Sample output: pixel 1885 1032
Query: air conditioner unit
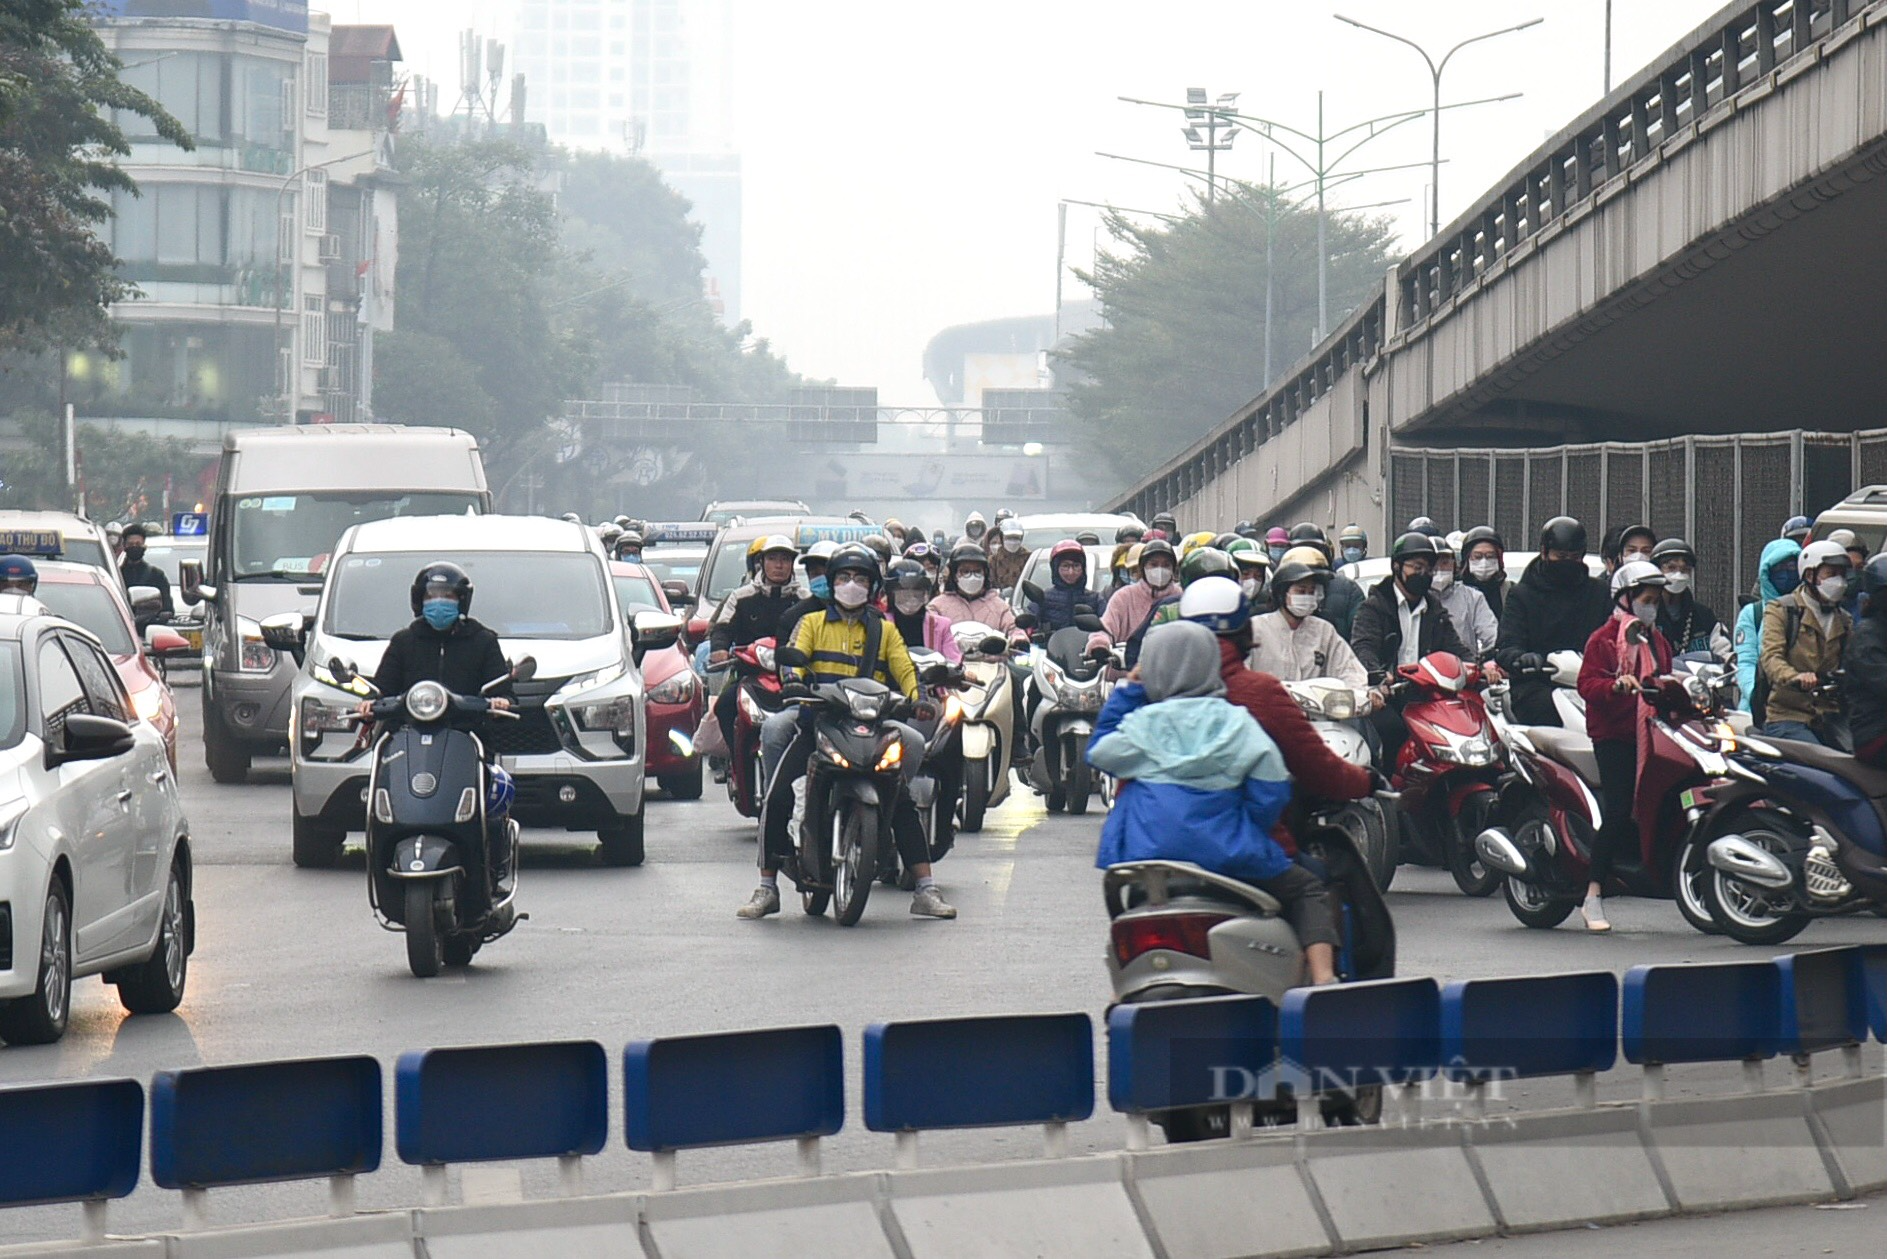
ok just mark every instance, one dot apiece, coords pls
pixel 330 248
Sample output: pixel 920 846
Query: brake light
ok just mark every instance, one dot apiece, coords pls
pixel 1175 933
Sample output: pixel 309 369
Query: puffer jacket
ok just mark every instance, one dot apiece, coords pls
pixel 1129 614
pixel 1749 622
pixel 1540 618
pixel 988 608
pixel 1343 598
pixel 1200 782
pixel 1057 608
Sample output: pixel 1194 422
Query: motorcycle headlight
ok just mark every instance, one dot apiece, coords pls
pixel 1078 698
pixel 1339 705
pixel 427 701
pixel 952 711
pixel 252 654
pixel 830 751
pixel 763 656
pixel 679 689
pixel 865 707
pixel 1474 753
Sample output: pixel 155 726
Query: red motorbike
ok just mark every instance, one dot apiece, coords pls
pixel 1550 808
pixel 756 697
pixel 1448 772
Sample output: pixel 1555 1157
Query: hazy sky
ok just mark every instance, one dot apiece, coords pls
pixel 903 159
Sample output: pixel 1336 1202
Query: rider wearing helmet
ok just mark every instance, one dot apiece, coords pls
pixel 1131 612
pixel 1474 621
pixel 850 639
pixel 879 545
pixel 1803 639
pixel 752 612
pixel 1129 534
pixel 909 589
pixel 1206 561
pixel 970 595
pixel 1798 529
pixel 927 556
pixel 1254 572
pixel 18 575
pixel 1008 557
pixel 1555 606
pixel 1193 541
pixel 629 546
pixel 1400 622
pixel 1685 622
pixel 1625 544
pixel 1166 523
pixel 1067 589
pixel 974 528
pixel 1482 558
pixel 819 589
pixel 1353 543
pixel 1866 664
pixel 1277 542
pixel 607 533
pixel 1622 657
pixel 1293 643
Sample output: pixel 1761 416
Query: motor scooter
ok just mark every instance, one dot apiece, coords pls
pixel 1549 811
pixel 1331 705
pixel 442 850
pixel 1449 770
pixel 988 726
pixel 757 696
pixel 1177 930
pixel 936 786
pixel 1072 685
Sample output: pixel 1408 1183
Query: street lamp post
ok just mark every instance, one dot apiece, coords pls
pixel 1218 134
pixel 1435 69
pixel 293 243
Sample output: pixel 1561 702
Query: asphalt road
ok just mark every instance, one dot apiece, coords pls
pixel 290 963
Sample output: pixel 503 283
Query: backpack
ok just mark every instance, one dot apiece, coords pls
pixel 1759 693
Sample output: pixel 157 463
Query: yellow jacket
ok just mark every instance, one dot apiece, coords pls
pixel 835 643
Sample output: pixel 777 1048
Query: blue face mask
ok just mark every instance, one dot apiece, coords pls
pixel 1785 580
pixel 441 614
pixel 1277 553
pixel 820 587
pixel 1352 555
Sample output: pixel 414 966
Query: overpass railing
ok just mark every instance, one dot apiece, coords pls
pixel 211 1128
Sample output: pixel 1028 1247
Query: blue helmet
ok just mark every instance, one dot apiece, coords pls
pixel 1798 529
pixel 18 575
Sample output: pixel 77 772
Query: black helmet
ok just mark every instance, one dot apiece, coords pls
pixel 1224 540
pixel 1305 531
pixel 967 553
pixel 1289 575
pixel 1563 533
pixel 1673 548
pixel 1413 545
pixel 1204 561
pixel 19 575
pixel 1479 534
pixel 1128 534
pixel 1087 537
pixel 878 544
pixel 907 574
pixel 1159 546
pixel 1422 524
pixel 1613 544
pixel 440 579
pixel 1165 521
pixel 1873 578
pixel 629 540
pixel 859 558
pixel 1243 528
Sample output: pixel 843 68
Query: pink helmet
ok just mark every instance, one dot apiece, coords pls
pixel 1277 535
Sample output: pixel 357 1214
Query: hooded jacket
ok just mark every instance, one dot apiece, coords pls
pixel 1005 566
pixel 1057 608
pixel 754 611
pixel 988 608
pixel 1813 651
pixel 1749 622
pixel 1377 638
pixel 1129 613
pixel 1539 618
pixel 1866 689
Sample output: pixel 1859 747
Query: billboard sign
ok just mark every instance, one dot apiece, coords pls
pixel 283 15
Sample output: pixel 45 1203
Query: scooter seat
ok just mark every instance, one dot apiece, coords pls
pixel 1569 748
pixel 1869 781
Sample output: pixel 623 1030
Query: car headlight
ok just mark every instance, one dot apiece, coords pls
pixel 320 718
pixel 427 701
pixel 600 677
pixel 679 689
pixel 609 716
pixel 252 655
pixel 147 703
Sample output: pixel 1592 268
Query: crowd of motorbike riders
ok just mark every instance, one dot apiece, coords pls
pixel 1202 630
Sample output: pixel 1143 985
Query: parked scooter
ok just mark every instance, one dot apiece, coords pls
pixel 1178 931
pixel 1803 837
pixel 1549 807
pixel 757 697
pixel 1448 773
pixel 1072 685
pixel 430 839
pixel 1372 824
pixel 988 728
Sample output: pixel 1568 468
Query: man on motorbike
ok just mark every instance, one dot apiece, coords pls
pixel 1619 663
pixel 1686 623
pixel 138 571
pixel 1866 688
pixel 1400 622
pixel 1130 613
pixel 819 589
pixel 1777 575
pixel 18 575
pixel 850 639
pixel 1353 544
pixel 1200 781
pixel 970 595
pixel 1293 643
pixel 1555 606
pixel 1474 621
pixel 1803 639
pixel 1485 558
pixel 754 611
pixel 1008 557
pixel 918 622
pixel 629 546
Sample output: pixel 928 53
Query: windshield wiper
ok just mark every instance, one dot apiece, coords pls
pixel 354 638
pixel 275 574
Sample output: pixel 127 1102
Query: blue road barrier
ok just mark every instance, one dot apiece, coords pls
pixel 70 1142
pixel 1721 1012
pixel 502 1102
pixel 1824 1000
pixel 979 1072
pixel 1385 1031
pixel 1169 1055
pixel 1531 1025
pixel 1874 981
pixel 735 1088
pixel 265 1121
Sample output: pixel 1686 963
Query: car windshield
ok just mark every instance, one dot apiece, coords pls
pixel 519 594
pixel 12 695
pixel 90 605
pixel 169 555
pixel 289 536
pixel 680 565
pixel 636 594
pixel 1049 535
pixel 730 568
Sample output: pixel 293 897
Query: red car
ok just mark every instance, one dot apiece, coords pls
pixel 88 598
pixel 677 699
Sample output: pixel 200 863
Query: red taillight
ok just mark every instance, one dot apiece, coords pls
pixel 1176 933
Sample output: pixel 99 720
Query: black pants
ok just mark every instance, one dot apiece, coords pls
pixel 1306 904
pixel 1391 733
pixel 1618 791
pixel 725 706
pixel 776 813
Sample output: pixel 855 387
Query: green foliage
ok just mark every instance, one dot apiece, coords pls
pixel 1183 345
pixel 123 472
pixel 58 145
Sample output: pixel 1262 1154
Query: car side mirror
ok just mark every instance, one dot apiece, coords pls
pixel 1033 591
pixel 89 738
pixel 147 602
pixel 165 642
pixel 288 632
pixel 679 594
pixel 653 631
pixel 1089 622
pixel 190 582
pixel 790 657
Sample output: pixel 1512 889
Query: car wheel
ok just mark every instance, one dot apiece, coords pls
pixel 41 1018
pixel 156 986
pixel 683 786
pixel 621 844
pixel 317 847
pixel 228 760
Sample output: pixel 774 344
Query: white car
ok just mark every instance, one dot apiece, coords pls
pixel 94 849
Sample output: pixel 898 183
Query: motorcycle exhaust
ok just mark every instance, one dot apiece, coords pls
pixel 1496 848
pixel 1751 863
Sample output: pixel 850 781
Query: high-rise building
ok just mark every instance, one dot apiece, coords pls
pixel 650 77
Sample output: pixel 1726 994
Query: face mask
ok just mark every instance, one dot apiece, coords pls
pixel 1012 545
pixel 1646 610
pixel 1277 553
pixel 440 613
pixel 970 585
pixel 1352 555
pixel 1444 579
pixel 851 594
pixel 820 587
pixel 1483 568
pixel 1301 606
pixel 1158 576
pixel 1635 557
pixel 1677 583
pixel 1565 573
pixel 910 601
pixel 974 532
pixel 1833 589
pixel 1251 586
pixel 1417 586
pixel 134 553
pixel 1785 580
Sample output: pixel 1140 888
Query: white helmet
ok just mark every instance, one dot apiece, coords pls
pixel 1218 603
pixel 1816 554
pixel 1637 573
pixel 821 550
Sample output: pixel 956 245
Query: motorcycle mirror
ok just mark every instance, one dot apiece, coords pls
pixel 524 670
pixel 1033 591
pixel 1636 632
pixel 1088 621
pixel 994 645
pixel 790 657
pixel 341 670
pixel 934 674
pixel 1025 620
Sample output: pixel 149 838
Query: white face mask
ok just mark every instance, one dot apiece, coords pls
pixel 1645 610
pixel 1677 583
pixel 1158 576
pixel 1833 589
pixel 1301 606
pixel 851 593
pixel 1484 567
pixel 1012 545
pixel 970 585
pixel 910 601
pixel 1444 578
pixel 1251 586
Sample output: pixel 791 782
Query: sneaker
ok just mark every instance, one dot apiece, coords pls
pixel 766 900
pixel 929 903
pixel 1593 911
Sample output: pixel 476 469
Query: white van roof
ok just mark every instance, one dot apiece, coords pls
pixel 445 534
pixel 316 457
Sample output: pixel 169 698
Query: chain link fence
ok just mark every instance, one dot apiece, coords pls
pixel 1726 495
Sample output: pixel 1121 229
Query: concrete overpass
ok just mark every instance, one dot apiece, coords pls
pixel 1701 252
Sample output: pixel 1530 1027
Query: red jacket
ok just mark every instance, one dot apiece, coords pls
pixel 1613 714
pixel 1315 769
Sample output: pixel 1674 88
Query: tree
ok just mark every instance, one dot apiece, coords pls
pixel 1184 302
pixel 58 86
pixel 124 472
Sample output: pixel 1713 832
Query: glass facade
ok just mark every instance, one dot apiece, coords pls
pixel 190 371
pixel 199 235
pixel 240 109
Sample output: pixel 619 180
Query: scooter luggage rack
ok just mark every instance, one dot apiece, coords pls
pixel 1153 876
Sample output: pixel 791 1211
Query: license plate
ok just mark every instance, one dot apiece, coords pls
pixel 194 637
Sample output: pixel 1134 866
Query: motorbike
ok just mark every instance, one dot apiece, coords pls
pixel 1177 930
pixel 1448 772
pixel 1072 685
pixel 936 785
pixel 756 698
pixel 429 835
pixel 1549 813
pixel 988 726
pixel 1804 837
pixel 1373 824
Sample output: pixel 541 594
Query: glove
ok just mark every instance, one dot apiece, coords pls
pixel 1530 661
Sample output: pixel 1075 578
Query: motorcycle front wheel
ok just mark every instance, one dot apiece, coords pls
pixel 425 946
pixel 1471 874
pixel 855 860
pixel 1080 784
pixel 975 795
